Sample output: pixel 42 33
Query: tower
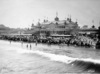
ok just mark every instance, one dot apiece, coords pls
pixel 76 21
pixel 32 26
pixel 93 24
pixel 56 19
pixel 39 23
pixel 70 19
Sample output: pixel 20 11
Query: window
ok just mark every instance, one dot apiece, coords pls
pixel 61 26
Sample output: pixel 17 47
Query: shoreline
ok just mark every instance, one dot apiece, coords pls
pixel 66 50
pixel 38 50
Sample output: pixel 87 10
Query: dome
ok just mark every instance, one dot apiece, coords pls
pixel 56 19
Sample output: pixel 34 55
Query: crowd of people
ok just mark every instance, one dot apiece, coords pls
pixel 82 41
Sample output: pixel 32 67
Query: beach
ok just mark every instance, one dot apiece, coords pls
pixel 17 58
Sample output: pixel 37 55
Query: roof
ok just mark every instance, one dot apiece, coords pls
pixel 31 31
pixel 60 22
pixel 89 29
pixel 20 34
pixel 60 35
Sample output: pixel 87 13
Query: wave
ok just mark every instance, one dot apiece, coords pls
pixel 90 65
pixel 86 64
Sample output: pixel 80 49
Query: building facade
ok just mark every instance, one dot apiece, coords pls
pixel 61 27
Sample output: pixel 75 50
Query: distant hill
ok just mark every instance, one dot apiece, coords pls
pixel 7 30
pixel 3 27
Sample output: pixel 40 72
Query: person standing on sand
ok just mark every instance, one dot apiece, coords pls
pixel 10 41
pixel 27 45
pixel 36 42
pixel 30 46
pixel 22 43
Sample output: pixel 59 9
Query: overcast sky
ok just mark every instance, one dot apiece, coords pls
pixel 21 13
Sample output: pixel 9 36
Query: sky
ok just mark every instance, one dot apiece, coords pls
pixel 22 13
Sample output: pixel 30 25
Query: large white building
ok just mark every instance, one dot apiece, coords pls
pixel 61 27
